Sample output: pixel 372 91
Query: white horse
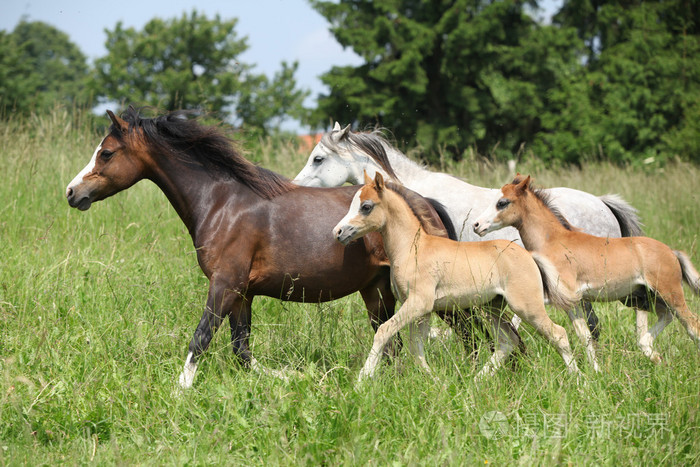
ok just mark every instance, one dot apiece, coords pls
pixel 343 156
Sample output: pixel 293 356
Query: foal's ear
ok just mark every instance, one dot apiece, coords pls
pixel 522 184
pixel 368 179
pixel 118 123
pixel 378 182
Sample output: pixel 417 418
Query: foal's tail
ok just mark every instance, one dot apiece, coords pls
pixel 626 215
pixel 557 292
pixel 690 274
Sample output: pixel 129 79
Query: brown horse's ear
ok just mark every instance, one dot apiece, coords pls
pixel 368 179
pixel 118 123
pixel 379 182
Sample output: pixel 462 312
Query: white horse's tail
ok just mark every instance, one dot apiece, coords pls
pixel 554 289
pixel 626 215
pixel 690 274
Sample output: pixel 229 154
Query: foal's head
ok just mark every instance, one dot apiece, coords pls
pixel 116 164
pixel 366 213
pixel 508 210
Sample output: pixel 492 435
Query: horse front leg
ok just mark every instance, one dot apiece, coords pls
pixel 218 305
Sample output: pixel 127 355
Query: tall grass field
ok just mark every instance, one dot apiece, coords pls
pixel 97 309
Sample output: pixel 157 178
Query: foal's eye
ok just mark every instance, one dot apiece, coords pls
pixel 106 154
pixel 366 207
pixel 318 159
pixel 502 203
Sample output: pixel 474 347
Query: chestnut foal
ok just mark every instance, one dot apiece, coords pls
pixel 640 271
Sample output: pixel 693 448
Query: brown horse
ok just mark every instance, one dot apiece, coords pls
pixel 432 273
pixel 255 232
pixel 640 271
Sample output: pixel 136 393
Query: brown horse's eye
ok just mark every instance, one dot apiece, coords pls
pixel 106 154
pixel 366 207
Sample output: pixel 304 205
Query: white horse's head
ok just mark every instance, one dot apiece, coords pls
pixel 335 161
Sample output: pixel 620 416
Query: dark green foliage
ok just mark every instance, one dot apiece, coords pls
pixel 616 80
pixel 40 66
pixel 640 86
pixel 192 62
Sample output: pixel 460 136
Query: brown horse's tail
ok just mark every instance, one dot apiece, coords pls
pixel 554 289
pixel 690 274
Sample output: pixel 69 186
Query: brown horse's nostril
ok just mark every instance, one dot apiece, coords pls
pixel 69 192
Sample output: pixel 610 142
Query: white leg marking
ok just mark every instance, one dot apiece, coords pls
pixel 187 375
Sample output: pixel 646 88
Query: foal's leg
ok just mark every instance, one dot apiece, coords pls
pixel 576 316
pixel 646 336
pixel 409 311
pixel 532 311
pixel 675 299
pixel 380 303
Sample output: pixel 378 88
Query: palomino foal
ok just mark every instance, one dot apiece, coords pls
pixel 643 271
pixel 430 273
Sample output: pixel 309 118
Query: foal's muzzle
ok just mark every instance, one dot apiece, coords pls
pixel 344 234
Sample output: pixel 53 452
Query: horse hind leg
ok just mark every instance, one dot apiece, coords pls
pixel 581 327
pixel 418 332
pixel 676 302
pixel 532 311
pixel 646 336
pixel 506 340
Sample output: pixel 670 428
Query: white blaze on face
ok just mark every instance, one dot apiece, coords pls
pixel 486 221
pixel 352 212
pixel 88 168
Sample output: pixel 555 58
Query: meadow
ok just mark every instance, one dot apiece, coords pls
pixel 97 309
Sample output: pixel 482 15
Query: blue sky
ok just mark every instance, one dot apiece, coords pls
pixel 277 30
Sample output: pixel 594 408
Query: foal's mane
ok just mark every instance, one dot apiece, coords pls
pixel 421 208
pixel 372 143
pixel 546 201
pixel 178 135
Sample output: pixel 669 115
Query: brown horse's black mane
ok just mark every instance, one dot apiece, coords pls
pixel 371 143
pixel 546 200
pixel 179 135
pixel 421 208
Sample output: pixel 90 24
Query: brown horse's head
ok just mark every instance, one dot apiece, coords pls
pixel 115 165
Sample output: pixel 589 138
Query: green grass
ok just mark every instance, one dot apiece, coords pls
pixel 97 309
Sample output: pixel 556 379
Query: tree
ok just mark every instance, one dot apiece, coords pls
pixel 39 66
pixel 445 74
pixel 192 62
pixel 641 81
